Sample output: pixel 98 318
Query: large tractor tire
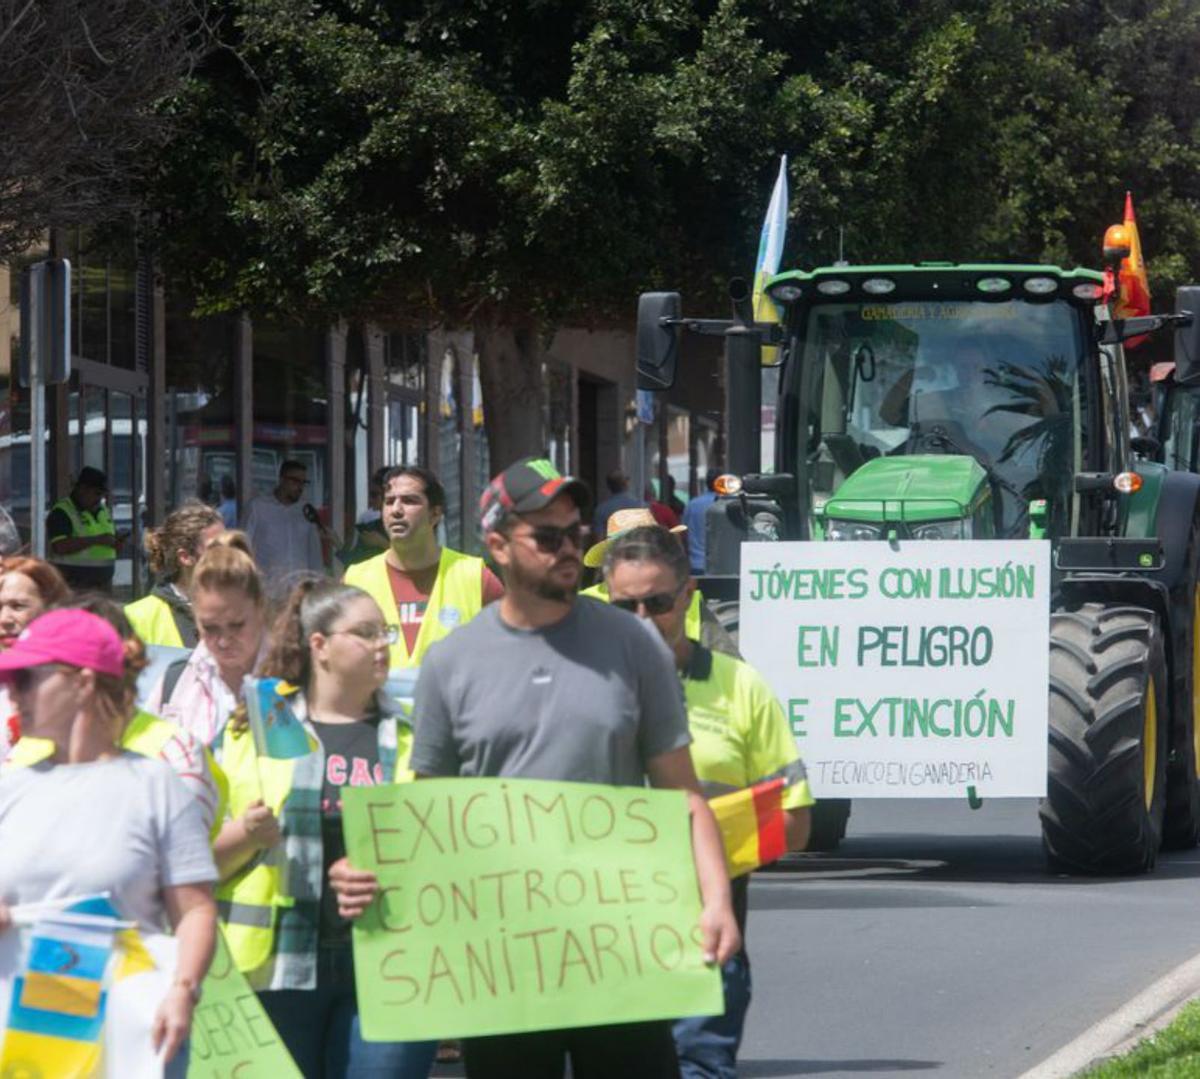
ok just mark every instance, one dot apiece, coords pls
pixel 829 817
pixel 1106 794
pixel 1181 827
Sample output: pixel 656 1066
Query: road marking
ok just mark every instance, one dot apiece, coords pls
pixel 1148 1012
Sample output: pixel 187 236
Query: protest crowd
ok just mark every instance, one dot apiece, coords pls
pixel 190 766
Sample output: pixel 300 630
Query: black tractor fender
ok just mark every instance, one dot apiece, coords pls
pixel 1177 508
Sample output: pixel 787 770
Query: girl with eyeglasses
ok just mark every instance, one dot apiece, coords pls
pixel 278 881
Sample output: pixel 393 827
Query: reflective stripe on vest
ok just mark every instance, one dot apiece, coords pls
pixel 252 894
pixel 691 625
pixel 248 900
pixel 457 597
pixel 94 524
pixel 152 620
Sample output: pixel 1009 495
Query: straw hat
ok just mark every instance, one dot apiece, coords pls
pixel 620 522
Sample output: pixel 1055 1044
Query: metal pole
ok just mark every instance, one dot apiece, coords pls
pixel 37 438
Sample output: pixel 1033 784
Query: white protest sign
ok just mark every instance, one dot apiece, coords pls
pixel 906 670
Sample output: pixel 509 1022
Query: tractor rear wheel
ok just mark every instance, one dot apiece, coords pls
pixel 1106 791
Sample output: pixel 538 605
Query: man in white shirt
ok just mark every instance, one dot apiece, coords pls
pixel 287 546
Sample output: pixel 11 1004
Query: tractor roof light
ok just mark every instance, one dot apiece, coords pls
pixel 785 293
pixel 727 484
pixel 1117 244
pixel 993 285
pixel 1040 286
pixel 1087 291
pixel 833 288
pixel 878 286
pixel 1127 483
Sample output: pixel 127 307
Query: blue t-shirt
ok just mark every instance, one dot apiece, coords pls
pixel 693 516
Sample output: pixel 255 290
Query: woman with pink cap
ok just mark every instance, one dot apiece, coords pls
pixel 93 818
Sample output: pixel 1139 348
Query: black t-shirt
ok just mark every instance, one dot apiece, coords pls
pixel 351 760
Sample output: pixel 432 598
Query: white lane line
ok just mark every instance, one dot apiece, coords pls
pixel 1148 1012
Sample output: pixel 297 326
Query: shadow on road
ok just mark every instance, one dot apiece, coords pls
pixel 761 1069
pixel 991 859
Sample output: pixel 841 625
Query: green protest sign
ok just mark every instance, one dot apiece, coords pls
pixel 513 905
pixel 232 1038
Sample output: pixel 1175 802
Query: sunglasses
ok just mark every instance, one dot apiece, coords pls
pixel 22 680
pixel 659 603
pixel 550 538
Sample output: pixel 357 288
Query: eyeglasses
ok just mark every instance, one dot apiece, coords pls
pixel 658 603
pixel 550 538
pixel 372 634
pixel 22 680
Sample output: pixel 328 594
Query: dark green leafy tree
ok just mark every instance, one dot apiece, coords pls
pixel 516 167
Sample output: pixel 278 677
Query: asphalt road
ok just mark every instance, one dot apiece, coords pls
pixel 935 943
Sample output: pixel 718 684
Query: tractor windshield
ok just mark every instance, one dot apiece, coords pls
pixel 999 381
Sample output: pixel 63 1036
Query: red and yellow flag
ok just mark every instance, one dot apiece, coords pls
pixel 1131 289
pixel 752 825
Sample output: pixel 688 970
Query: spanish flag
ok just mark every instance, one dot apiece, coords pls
pixel 752 825
pixel 1131 289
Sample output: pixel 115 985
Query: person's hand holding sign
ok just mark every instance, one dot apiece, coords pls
pixel 356 889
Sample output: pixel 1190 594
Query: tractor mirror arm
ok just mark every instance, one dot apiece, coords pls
pixel 1116 330
pixel 772 332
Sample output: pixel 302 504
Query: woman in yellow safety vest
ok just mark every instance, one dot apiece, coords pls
pixel 275 857
pixel 28 587
pixel 147 735
pixel 93 818
pixel 164 617
pixel 229 602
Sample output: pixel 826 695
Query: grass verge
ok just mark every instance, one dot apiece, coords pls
pixel 1172 1053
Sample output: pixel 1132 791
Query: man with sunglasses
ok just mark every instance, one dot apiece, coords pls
pixel 740 737
pixel 286 546
pixel 547 685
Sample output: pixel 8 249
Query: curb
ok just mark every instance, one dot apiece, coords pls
pixel 1148 1012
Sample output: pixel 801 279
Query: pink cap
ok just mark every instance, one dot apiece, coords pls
pixel 76 638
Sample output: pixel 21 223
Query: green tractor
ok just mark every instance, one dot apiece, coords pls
pixel 951 401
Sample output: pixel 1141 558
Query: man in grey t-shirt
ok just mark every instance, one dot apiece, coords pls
pixel 546 685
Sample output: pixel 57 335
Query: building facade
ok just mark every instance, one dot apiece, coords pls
pixel 173 406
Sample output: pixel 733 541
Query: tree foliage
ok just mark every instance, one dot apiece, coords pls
pixel 514 167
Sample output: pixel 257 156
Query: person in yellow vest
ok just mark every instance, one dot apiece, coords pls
pixel 80 537
pixel 147 735
pixel 620 522
pixel 284 930
pixel 423 588
pixel 740 737
pixel 164 617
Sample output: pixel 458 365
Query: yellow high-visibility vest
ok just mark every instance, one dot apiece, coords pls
pixel 457 597
pixel 93 523
pixel 154 622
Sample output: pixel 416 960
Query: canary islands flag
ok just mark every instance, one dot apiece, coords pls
pixel 276 730
pixel 752 825
pixel 770 253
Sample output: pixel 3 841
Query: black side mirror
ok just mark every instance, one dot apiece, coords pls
pixel 657 340
pixel 1187 338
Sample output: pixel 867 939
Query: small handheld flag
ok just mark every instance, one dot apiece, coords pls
pixel 752 826
pixel 276 730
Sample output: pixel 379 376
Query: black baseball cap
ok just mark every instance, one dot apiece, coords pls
pixel 530 484
pixel 92 477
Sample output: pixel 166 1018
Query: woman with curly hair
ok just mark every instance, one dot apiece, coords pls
pixel 164 617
